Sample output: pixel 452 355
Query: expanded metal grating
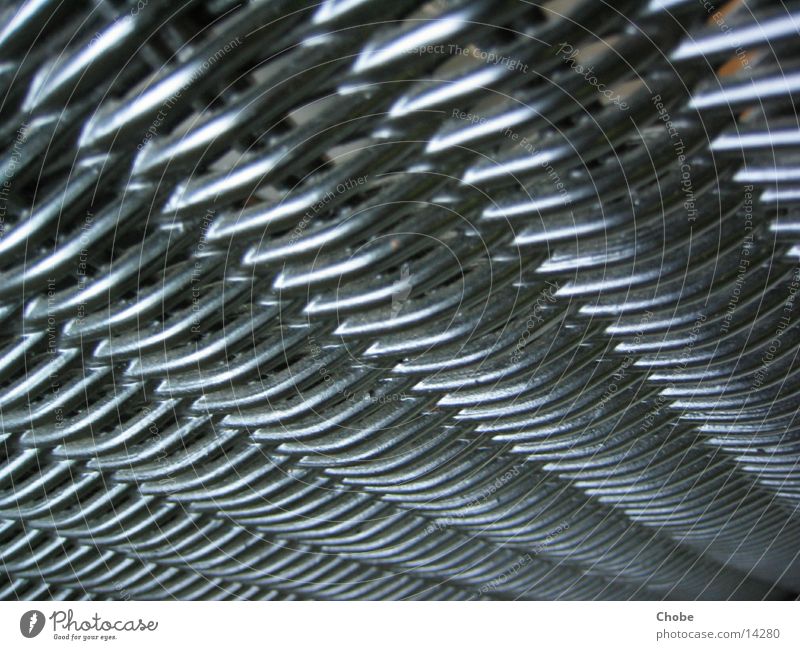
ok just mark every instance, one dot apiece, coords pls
pixel 389 299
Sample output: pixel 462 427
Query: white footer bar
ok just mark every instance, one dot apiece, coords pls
pixel 385 626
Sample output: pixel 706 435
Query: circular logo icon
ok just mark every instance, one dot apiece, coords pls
pixel 31 623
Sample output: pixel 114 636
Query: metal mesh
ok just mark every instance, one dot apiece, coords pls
pixel 370 299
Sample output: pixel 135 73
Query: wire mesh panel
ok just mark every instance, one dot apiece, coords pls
pixel 359 299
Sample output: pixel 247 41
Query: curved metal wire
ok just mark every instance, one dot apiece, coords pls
pixel 358 299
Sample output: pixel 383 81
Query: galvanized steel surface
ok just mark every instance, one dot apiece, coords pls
pixel 362 299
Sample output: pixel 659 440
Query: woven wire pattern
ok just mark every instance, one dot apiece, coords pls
pixel 360 299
